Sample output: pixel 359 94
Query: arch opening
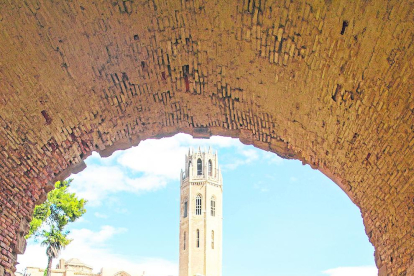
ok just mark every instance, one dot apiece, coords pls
pixel 145 160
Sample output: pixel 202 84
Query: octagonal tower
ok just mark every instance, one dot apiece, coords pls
pixel 201 215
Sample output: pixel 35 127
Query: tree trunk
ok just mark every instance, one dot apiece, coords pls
pixel 49 265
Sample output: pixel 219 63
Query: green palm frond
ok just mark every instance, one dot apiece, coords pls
pixel 55 240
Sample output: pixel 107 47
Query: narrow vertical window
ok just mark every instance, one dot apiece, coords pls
pixel 199 167
pixel 198 238
pixel 184 241
pixel 212 239
pixel 185 208
pixel 213 206
pixel 210 168
pixel 189 166
pixel 198 205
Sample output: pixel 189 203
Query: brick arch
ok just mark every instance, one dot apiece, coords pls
pixel 326 83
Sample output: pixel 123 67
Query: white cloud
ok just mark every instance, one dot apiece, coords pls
pixel 35 255
pixel 86 236
pixel 165 157
pixel 100 215
pixel 157 162
pixel 248 156
pixel 218 141
pixel 81 220
pixel 354 271
pixel 97 182
pixel 90 247
pixel 272 158
pixel 156 157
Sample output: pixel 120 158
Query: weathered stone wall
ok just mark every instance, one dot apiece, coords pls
pixel 326 82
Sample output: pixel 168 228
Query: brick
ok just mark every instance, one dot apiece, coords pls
pixel 291 78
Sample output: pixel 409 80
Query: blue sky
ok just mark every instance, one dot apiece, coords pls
pixel 279 217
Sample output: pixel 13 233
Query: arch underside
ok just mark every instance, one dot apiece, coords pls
pixel 326 83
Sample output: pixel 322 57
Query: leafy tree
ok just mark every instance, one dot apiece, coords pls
pixel 51 217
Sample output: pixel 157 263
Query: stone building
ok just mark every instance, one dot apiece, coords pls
pixel 74 267
pixel 201 215
pixel 70 267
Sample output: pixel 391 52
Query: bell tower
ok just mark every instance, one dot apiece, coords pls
pixel 201 215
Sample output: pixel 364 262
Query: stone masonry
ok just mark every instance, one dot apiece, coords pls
pixel 326 82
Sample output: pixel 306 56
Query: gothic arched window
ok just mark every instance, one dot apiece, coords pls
pixel 185 208
pixel 210 168
pixel 198 238
pixel 212 239
pixel 213 206
pixel 199 167
pixel 198 204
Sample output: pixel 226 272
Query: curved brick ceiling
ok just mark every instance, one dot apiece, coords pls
pixel 326 82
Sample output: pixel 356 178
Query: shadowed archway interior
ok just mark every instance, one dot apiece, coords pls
pixel 328 83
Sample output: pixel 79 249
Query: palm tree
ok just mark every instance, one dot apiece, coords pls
pixel 55 240
pixel 51 217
